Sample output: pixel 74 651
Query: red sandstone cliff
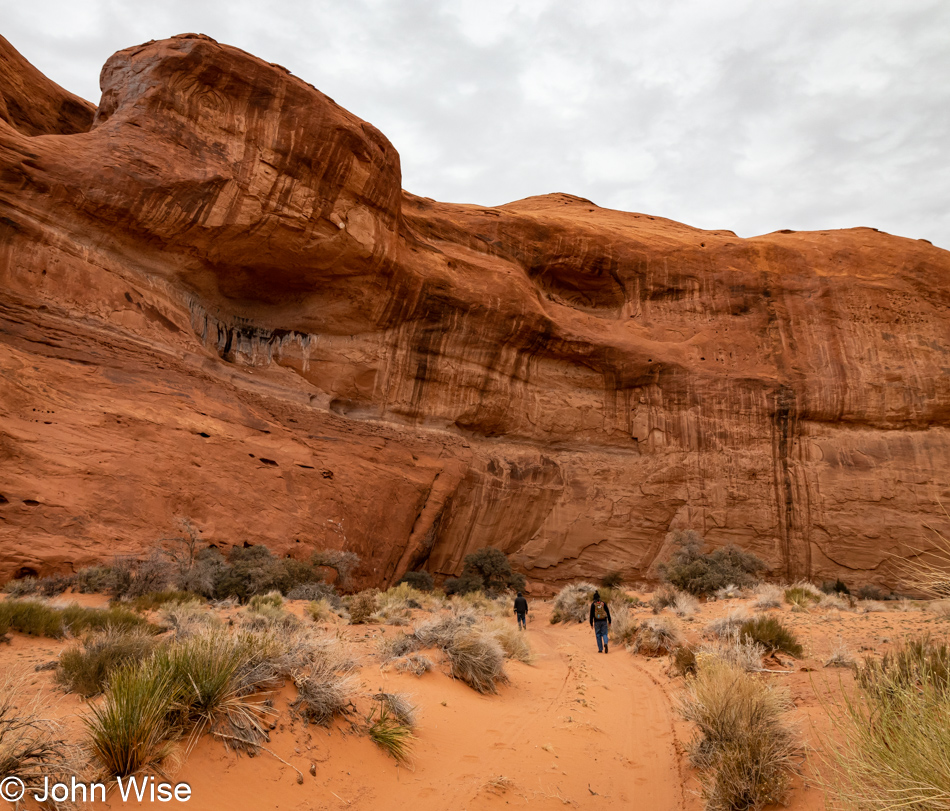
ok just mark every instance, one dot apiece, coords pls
pixel 216 302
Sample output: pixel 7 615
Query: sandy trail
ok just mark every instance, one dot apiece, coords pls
pixel 575 728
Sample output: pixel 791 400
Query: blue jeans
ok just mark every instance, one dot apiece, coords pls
pixel 522 621
pixel 600 629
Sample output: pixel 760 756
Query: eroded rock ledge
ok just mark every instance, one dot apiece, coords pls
pixel 216 302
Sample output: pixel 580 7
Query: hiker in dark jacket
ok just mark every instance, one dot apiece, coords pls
pixel 600 621
pixel 521 610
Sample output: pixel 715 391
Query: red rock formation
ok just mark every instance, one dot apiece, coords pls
pixel 217 303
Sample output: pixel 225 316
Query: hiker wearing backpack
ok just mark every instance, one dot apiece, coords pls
pixel 600 621
pixel 521 611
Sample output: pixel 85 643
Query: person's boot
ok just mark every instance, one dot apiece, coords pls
pixel 605 647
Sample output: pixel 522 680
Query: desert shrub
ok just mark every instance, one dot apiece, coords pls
pixel 612 580
pixel 768 596
pixel 735 651
pixel 395 647
pixel 769 632
pixel 870 592
pixel 484 605
pixel 415 663
pixel 478 660
pixel 421 581
pixel 892 738
pixel 744 749
pixel 129 730
pixel 94 579
pixel 403 597
pixel 572 603
pixel 362 606
pixel 939 607
pixel 871 607
pixel 85 668
pixel 253 570
pixel 45 586
pixel 322 611
pixel 442 631
pixel 137 578
pixel 656 637
pixel 683 661
pixel 835 587
pixel 342 562
pixel 315 591
pixel 485 569
pixel 267 618
pixel 31 746
pixel 34 618
pixel 690 569
pixel 513 642
pixel 389 725
pixel 663 598
pixel 802 595
pixel 729 624
pixel 157 599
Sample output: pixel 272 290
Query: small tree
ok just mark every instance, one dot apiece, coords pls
pixel 486 569
pixel 699 573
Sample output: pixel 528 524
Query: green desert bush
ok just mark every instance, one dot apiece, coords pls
pixel 388 731
pixel 84 668
pixel 744 748
pixel 94 579
pixel 478 660
pixel 892 739
pixel 572 603
pixel 612 580
pixel 656 637
pixel 690 569
pixel 771 634
pixel 129 731
pixel 35 618
pixel 486 569
pixel 870 592
pixel 421 581
pixel 802 595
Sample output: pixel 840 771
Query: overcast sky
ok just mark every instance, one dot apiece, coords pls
pixel 753 115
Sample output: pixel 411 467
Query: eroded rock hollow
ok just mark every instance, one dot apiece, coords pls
pixel 217 303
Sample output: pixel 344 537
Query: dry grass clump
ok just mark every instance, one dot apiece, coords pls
pixel 892 743
pixel 768 596
pixel 85 668
pixel 624 627
pixel 441 631
pixel 656 637
pixel 478 660
pixel 834 602
pixel 31 747
pixel 186 619
pixel 872 607
pixel 395 647
pixel 734 650
pixel 940 607
pixel 729 592
pixel 745 750
pixel 386 728
pixel 322 694
pixel 415 663
pixel 572 603
pixel 156 599
pixel 769 632
pixel 482 604
pixel 683 661
pixel 399 705
pixel 729 624
pixel 512 640
pixel 685 605
pixel 664 598
pixel 267 616
pixel 840 656
pixel 322 610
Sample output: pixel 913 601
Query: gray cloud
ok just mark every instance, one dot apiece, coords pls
pixel 741 114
